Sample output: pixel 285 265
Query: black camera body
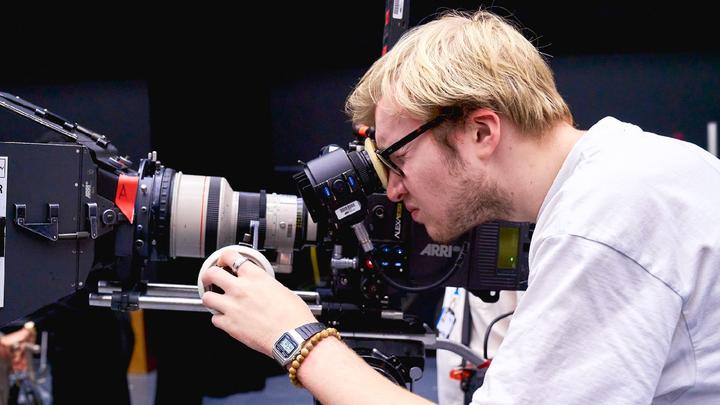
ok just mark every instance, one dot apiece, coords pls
pixel 345 189
pixel 64 219
pixel 46 194
pixel 73 212
pixel 391 251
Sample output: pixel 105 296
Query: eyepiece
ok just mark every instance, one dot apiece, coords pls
pixel 335 186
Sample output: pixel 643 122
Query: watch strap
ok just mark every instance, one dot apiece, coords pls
pixel 309 329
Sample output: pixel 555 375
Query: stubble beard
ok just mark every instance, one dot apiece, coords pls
pixel 472 201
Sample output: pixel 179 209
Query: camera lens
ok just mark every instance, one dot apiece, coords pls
pixel 193 216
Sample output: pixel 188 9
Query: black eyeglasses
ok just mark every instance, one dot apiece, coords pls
pixel 384 154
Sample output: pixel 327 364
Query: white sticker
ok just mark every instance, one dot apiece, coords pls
pixel 3 214
pixel 446 323
pixel 447 317
pixel 348 209
pixel 398 9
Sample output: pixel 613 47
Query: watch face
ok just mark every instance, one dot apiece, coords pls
pixel 286 345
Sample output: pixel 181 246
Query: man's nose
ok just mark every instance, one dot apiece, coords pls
pixel 395 188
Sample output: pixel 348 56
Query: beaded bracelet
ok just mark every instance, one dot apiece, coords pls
pixel 312 342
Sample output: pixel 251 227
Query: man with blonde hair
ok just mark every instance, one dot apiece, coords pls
pixel 623 291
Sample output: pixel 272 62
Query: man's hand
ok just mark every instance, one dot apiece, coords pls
pixel 255 308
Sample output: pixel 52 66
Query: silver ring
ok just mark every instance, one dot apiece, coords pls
pixel 238 262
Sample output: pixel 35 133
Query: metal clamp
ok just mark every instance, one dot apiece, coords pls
pixel 46 230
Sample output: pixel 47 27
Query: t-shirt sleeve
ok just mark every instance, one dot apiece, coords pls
pixel 593 327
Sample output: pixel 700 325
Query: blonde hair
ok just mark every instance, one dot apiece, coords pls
pixel 463 61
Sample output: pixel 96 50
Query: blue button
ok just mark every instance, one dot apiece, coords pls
pixel 326 191
pixel 384 264
pixel 399 251
pixel 386 249
pixel 351 181
pixel 398 264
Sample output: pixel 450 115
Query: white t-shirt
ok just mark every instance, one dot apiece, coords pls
pixel 623 300
pixel 481 315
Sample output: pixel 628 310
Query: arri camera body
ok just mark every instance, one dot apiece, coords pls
pixel 393 254
pixel 393 258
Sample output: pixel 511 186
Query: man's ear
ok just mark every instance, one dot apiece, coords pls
pixel 484 131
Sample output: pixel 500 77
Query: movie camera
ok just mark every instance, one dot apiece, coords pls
pixel 95 225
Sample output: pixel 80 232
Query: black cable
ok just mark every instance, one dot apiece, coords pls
pixel 487 332
pixel 415 289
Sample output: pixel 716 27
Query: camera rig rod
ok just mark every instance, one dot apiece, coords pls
pixel 105 152
pixel 179 297
pixel 38 114
pixel 172 297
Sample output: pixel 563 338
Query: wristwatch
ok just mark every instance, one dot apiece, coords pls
pixel 288 346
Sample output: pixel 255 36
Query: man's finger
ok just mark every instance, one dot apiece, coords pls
pixel 232 259
pixel 221 321
pixel 219 277
pixel 214 301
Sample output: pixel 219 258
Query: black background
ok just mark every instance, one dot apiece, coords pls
pixel 216 74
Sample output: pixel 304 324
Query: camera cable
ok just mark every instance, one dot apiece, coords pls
pixel 489 328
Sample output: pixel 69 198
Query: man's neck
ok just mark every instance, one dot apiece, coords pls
pixel 530 166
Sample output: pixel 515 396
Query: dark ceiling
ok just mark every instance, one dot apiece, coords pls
pixel 291 39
